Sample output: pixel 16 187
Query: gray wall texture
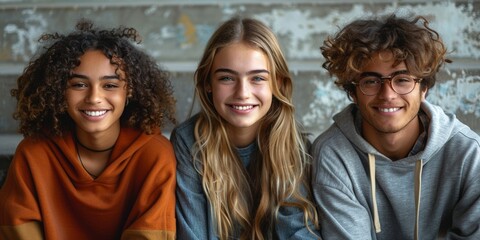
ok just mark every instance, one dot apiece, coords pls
pixel 175 33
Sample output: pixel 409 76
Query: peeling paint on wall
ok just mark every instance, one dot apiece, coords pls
pixel 459 94
pixel 302 28
pixel 26 35
pixel 458 25
pixel 328 100
pixel 179 33
pixel 189 31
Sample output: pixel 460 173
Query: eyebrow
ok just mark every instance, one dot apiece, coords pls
pixel 376 74
pixel 106 77
pixel 227 70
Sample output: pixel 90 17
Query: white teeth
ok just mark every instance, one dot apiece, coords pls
pixel 388 109
pixel 242 108
pixel 95 113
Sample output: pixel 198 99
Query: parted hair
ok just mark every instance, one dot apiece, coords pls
pixel 410 39
pixel 251 197
pixel 40 92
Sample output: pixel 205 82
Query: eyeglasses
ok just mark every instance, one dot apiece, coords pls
pixel 401 82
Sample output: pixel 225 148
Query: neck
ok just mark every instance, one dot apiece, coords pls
pixel 97 142
pixel 92 149
pixel 242 137
pixel 396 145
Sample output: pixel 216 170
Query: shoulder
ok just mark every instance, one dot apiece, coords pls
pixel 187 126
pixel 34 145
pixel 183 134
pixel 446 128
pixel 183 140
pixel 33 141
pixel 467 135
pixel 159 139
pixel 150 150
pixel 333 153
pixel 157 143
pixel 34 154
pixel 466 142
pixel 331 139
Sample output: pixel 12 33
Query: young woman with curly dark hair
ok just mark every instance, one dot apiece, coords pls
pixel 93 163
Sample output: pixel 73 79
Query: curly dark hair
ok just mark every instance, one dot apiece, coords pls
pixel 410 41
pixel 40 93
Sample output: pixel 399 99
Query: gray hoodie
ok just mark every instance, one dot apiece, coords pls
pixel 362 194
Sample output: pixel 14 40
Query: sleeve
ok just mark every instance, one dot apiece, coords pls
pixel 342 215
pixel 20 216
pixel 153 213
pixel 466 214
pixel 291 224
pixel 192 205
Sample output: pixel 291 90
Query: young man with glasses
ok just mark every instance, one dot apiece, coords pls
pixel 394 166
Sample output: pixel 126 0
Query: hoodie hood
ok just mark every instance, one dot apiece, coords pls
pixel 442 127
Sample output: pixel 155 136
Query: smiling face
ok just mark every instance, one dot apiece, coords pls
pixel 240 87
pixel 388 112
pixel 96 95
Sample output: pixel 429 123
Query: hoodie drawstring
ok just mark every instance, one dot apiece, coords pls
pixel 376 219
pixel 418 193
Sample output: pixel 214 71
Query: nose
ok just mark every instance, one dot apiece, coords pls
pixel 386 90
pixel 242 88
pixel 94 95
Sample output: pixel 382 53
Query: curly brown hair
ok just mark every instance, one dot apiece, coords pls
pixel 410 41
pixel 40 93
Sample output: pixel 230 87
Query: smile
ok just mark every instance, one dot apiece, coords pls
pixel 242 108
pixel 95 113
pixel 388 109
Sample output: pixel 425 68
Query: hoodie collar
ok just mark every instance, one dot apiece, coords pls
pixel 422 138
pixel 129 141
pixel 439 127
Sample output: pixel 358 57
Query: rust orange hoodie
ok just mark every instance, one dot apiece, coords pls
pixel 48 194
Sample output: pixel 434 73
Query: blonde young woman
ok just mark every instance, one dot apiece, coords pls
pixel 242 160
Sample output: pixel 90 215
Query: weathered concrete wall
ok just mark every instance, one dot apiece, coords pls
pixel 175 33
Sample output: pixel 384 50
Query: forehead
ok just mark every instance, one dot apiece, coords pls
pixel 240 56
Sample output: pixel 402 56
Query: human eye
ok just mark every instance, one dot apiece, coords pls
pixel 258 79
pixel 110 86
pixel 402 80
pixel 77 84
pixel 370 81
pixel 225 78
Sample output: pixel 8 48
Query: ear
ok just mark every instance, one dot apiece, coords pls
pixel 129 92
pixel 353 96
pixel 423 93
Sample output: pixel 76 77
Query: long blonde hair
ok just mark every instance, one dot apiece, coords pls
pixel 252 198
